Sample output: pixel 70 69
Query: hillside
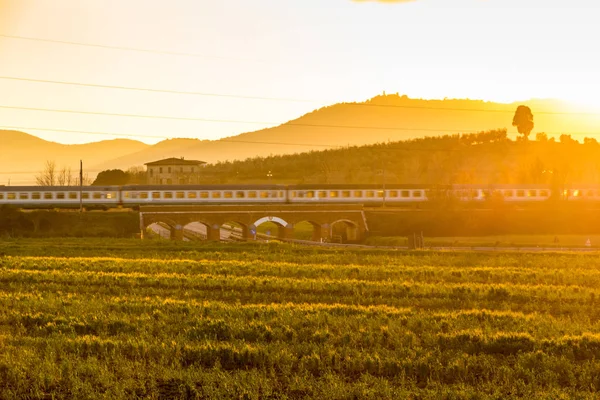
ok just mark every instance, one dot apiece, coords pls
pixel 381 119
pixel 23 155
pixel 386 118
pixel 484 158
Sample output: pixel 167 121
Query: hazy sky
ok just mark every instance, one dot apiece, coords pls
pixel 323 51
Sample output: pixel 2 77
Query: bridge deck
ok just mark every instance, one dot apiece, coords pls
pixel 231 208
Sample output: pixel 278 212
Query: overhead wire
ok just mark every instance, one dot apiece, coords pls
pixel 274 124
pixel 283 99
pixel 123 48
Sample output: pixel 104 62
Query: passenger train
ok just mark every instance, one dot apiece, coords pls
pixel 138 195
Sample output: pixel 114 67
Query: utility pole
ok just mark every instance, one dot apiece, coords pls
pixel 80 186
pixel 384 186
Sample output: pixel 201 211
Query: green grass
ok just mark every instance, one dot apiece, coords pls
pixel 156 319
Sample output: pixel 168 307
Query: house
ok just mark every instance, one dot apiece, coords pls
pixel 174 171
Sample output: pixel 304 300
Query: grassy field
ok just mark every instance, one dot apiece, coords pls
pixel 546 241
pixel 130 319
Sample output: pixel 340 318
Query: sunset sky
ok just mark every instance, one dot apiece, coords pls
pixel 315 52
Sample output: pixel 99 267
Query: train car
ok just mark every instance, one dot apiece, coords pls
pixel 509 193
pixel 60 196
pixel 580 193
pixel 352 193
pixel 136 195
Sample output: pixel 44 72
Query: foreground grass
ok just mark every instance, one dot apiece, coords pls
pixel 546 241
pixel 131 319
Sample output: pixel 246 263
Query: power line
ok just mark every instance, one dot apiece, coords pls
pixel 155 90
pixel 87 132
pixel 166 137
pixel 283 99
pixel 123 48
pixel 294 124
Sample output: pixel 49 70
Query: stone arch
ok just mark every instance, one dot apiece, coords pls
pixel 156 225
pixel 234 230
pixel 347 229
pixel 198 229
pixel 318 232
pixel 285 230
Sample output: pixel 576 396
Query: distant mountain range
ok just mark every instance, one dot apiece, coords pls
pixel 380 119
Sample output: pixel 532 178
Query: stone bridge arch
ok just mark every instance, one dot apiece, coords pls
pixel 323 218
pixel 346 228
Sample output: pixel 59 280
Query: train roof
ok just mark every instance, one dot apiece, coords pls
pixel 202 187
pixel 340 186
pixel 58 188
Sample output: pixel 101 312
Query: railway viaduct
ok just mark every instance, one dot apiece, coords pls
pixel 347 219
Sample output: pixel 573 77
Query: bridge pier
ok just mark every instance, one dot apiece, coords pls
pixel 213 233
pixel 286 232
pixel 177 233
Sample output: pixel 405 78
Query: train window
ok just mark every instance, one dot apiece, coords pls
pixel 310 194
pixel 228 195
pixel 85 195
pixel 204 195
pixel 531 193
pixel 508 193
pixel 240 195
pixel 47 196
pixel 520 193
pixel 192 195
pixel 127 195
pixel 97 195
pixel 36 196
pixel 60 196
pixel 11 196
pixel 380 193
pixel 346 194
pixel 143 195
pixel 417 193
pixel 252 194
pixel 544 193
pixel 72 195
pixel 216 195
pixel 322 194
pixel 23 196
pixel 168 195
pixel 590 193
pixel 358 193
pixel 393 194
pixel 281 194
pixel 370 193
pixel 405 193
pixel 1 196
pixel 156 195
pixel 180 195
pixel 334 194
pixel 577 193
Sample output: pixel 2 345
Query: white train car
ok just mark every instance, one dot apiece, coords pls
pixel 365 194
pixel 203 194
pixel 59 196
pixel 508 193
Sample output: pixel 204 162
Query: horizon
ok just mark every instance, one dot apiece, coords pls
pixel 265 63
